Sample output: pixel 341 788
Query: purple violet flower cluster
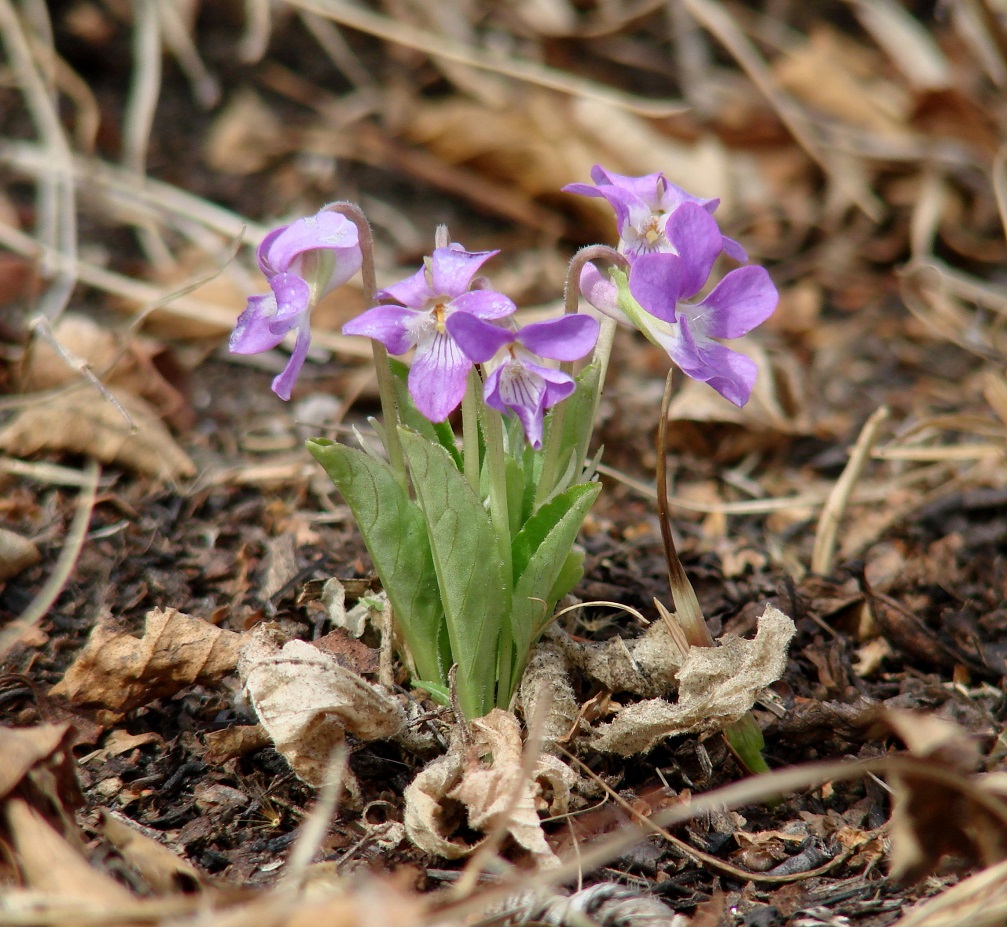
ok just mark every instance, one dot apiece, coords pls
pixel 448 315
pixel 671 242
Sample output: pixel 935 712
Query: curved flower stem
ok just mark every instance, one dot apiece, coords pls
pixel 470 429
pixel 386 386
pixel 744 736
pixel 602 351
pixel 687 610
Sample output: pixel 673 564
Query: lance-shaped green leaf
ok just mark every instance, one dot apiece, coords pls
pixel 577 425
pixel 541 557
pixel 395 533
pixel 475 593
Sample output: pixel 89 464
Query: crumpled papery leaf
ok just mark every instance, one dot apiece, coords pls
pixel 486 787
pixel 308 702
pixel 716 687
pixel 120 672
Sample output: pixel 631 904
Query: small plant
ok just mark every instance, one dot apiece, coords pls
pixel 473 534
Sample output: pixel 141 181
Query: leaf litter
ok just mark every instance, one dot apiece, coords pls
pixel 863 158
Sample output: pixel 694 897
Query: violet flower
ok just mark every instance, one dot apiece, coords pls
pixel 430 297
pixel 520 385
pixel 302 262
pixel 745 298
pixel 643 208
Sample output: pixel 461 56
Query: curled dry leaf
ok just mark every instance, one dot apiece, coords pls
pixel 83 421
pixel 646 666
pixel 308 702
pixel 485 776
pixel 716 687
pixel 120 672
pixel 46 748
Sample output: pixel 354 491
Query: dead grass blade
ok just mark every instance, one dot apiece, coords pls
pixel 839 499
pixel 439 46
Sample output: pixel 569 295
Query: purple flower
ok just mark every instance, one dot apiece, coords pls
pixel 644 207
pixel 302 262
pixel 653 298
pixel 520 385
pixel 430 297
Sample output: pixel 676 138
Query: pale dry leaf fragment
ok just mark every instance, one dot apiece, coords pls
pixel 547 676
pixel 308 702
pixel 159 868
pixel 717 686
pixel 646 666
pixel 119 672
pixel 23 749
pixel 485 776
pixel 82 421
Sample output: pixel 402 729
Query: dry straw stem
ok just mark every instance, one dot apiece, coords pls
pixel 53 586
pixel 56 192
pixel 713 17
pixel 828 523
pixel 439 46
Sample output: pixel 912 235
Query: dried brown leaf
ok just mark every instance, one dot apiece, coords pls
pixel 16 554
pixel 120 672
pixel 48 863
pixel 159 868
pixel 82 421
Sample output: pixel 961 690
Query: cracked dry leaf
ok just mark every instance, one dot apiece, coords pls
pixel 120 672
pixel 484 776
pixel 83 421
pixel 308 702
pixel 716 687
pixel 161 870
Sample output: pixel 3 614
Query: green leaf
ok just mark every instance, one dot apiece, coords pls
pixel 541 557
pixel 475 593
pixel 439 432
pixel 571 573
pixel 578 425
pixel 393 529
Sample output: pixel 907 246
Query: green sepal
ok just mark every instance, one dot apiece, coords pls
pixel 475 593
pixel 394 531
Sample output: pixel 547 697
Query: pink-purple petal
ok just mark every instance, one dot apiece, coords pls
pixel 478 340
pixel 484 304
pixel 731 374
pixel 695 235
pixel 283 383
pixel 567 338
pixel 452 269
pixel 414 291
pixel 745 298
pixel 253 331
pixel 323 231
pixel 437 377
pixel 293 295
pixel 387 324
pixel 655 283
